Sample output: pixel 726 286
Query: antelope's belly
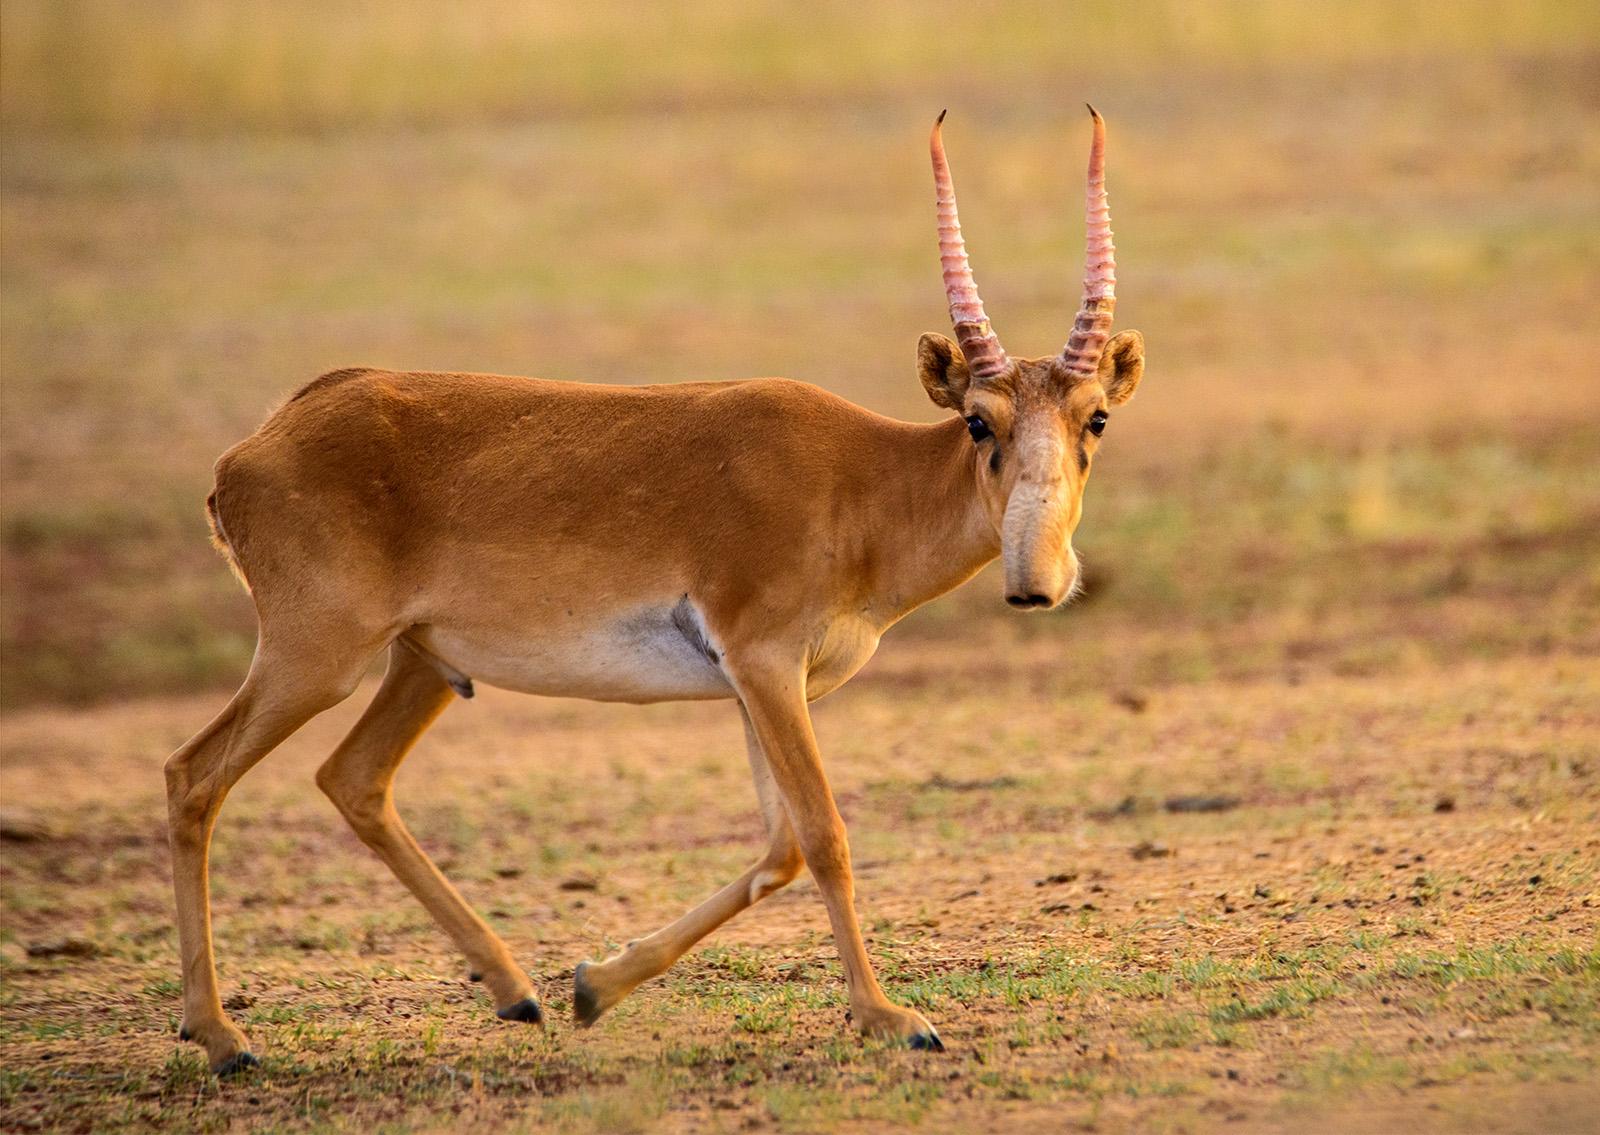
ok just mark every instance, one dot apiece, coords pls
pixel 651 654
pixel 648 655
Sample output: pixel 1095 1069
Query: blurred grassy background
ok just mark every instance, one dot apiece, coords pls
pixel 1360 238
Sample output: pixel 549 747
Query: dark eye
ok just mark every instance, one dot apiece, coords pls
pixel 1097 423
pixel 978 428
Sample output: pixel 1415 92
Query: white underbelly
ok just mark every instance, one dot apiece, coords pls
pixel 650 655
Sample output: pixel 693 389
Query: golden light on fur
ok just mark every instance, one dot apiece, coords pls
pixel 748 541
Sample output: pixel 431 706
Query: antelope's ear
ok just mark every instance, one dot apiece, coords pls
pixel 943 370
pixel 1122 366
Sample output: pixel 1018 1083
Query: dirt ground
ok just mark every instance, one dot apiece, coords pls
pixel 1389 919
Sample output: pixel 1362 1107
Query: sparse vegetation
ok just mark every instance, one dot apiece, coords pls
pixel 1275 960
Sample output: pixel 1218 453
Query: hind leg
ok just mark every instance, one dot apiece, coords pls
pixel 359 779
pixel 284 689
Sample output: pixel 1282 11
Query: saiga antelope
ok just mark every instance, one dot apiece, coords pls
pixel 742 540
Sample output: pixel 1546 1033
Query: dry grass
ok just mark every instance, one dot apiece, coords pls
pixel 1322 246
pixel 1343 548
pixel 299 65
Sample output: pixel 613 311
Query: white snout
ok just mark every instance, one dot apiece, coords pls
pixel 1041 569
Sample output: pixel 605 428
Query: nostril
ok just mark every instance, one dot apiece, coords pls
pixel 1034 600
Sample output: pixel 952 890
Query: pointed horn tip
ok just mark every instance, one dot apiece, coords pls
pixel 1093 113
pixel 940 120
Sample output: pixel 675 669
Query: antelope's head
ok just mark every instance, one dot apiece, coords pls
pixel 1035 423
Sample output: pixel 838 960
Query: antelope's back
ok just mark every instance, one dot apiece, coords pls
pixel 410 482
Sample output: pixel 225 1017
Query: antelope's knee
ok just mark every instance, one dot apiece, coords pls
pixel 778 870
pixel 176 771
pixel 190 806
pixel 360 805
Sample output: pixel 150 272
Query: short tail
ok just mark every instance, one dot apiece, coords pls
pixel 219 540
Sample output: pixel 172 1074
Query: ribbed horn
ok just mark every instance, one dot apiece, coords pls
pixel 986 359
pixel 1092 327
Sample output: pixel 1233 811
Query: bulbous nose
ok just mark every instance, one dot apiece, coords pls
pixel 1046 587
pixel 1032 600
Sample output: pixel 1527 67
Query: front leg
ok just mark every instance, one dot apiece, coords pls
pixel 774 699
pixel 596 986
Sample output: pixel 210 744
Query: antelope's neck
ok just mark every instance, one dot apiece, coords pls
pixel 925 528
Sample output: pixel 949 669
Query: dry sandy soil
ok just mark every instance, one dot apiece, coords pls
pixel 1390 923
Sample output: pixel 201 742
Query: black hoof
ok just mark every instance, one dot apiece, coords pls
pixel 525 1010
pixel 585 1005
pixel 927 1042
pixel 236 1064
pixel 183 1034
pixel 474 976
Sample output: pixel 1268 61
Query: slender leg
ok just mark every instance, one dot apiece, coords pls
pixel 775 700
pixel 278 696
pixel 359 779
pixel 598 986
